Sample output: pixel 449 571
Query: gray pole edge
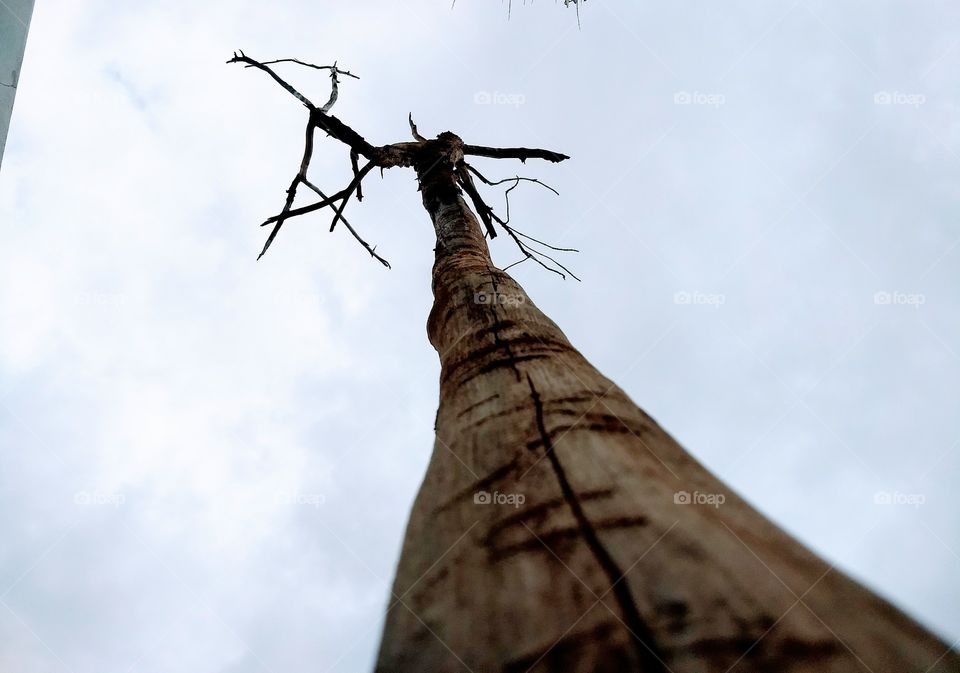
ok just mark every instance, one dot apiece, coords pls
pixel 14 25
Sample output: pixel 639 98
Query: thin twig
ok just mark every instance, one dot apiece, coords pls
pixel 354 158
pixel 385 156
pixel 243 58
pixel 526 251
pixel 486 213
pixel 533 254
pixel 515 177
pixel 537 240
pixel 292 189
pixel 311 65
pixel 517 263
pixel 354 184
pixel 303 210
pixel 413 129
pixel 334 90
pixel 371 250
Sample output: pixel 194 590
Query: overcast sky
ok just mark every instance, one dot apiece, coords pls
pixel 208 461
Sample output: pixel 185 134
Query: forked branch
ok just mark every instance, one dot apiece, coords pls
pixel 318 119
pixel 388 156
pixel 487 216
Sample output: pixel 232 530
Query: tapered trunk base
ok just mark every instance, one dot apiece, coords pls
pixel 560 529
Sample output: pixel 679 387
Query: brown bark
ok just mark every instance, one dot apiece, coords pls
pixel 599 569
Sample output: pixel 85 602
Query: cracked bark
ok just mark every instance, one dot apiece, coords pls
pixel 599 570
pixel 648 656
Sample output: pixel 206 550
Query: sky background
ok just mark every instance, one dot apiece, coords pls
pixel 206 462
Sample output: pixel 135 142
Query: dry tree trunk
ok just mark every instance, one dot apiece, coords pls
pixel 600 569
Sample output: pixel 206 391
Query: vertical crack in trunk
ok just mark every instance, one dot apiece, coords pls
pixel 511 358
pixel 646 647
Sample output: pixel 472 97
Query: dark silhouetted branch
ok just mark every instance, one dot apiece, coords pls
pixel 500 182
pixel 354 159
pixel 303 210
pixel 483 210
pixel 333 127
pixel 337 130
pixel 371 250
pixel 318 116
pixel 396 154
pixel 487 214
pixel 240 57
pixel 413 129
pixel 334 87
pixel 521 153
pixel 354 184
pixel 300 177
pixel 310 65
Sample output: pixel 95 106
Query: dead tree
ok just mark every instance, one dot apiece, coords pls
pixel 558 527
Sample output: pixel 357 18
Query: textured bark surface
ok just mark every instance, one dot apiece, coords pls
pixel 600 569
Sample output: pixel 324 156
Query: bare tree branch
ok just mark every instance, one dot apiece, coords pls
pixel 521 153
pixel 354 184
pixel 310 65
pixel 396 154
pixel 337 130
pixel 546 245
pixel 334 89
pixel 303 210
pixel 292 189
pixel 334 127
pixel 371 250
pixel 529 254
pixel 354 158
pixel 536 254
pixel 250 63
pixel 487 214
pixel 413 129
pixel 483 210
pixel 500 182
